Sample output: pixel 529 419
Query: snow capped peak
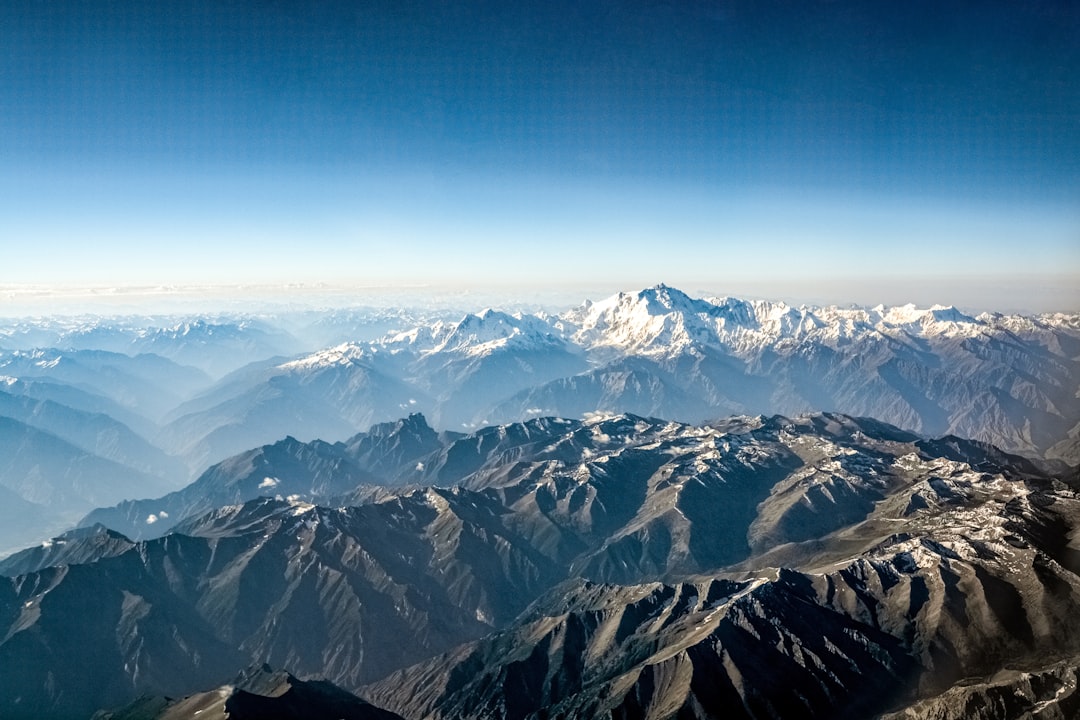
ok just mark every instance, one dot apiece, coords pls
pixel 664 321
pixel 420 338
pixel 483 333
pixel 344 354
pixel 475 334
pixel 911 315
pixel 660 320
pixel 661 298
pixel 948 313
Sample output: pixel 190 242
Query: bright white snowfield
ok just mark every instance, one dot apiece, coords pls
pixel 664 321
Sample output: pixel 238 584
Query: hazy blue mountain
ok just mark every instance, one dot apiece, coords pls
pixel 325 402
pixel 228 387
pixel 49 483
pixel 42 468
pixel 44 388
pixel 95 433
pixel 146 384
pixel 214 346
pixel 336 326
pixel 23 522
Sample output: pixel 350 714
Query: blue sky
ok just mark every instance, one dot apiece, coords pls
pixel 831 151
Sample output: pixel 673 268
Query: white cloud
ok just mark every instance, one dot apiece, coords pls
pixel 151 519
pixel 597 416
pixel 419 466
pixel 269 482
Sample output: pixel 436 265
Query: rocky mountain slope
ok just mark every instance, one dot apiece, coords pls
pixel 314 472
pixel 617 567
pixel 980 582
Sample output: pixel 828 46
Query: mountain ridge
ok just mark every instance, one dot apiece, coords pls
pixel 1007 379
pixel 554 530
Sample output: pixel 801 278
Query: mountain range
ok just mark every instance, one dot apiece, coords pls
pixel 76 433
pixel 617 567
pixel 651 506
pixel 1006 379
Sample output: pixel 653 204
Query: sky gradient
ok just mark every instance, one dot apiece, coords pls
pixel 821 150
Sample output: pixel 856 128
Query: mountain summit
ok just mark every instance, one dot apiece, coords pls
pixel 1006 379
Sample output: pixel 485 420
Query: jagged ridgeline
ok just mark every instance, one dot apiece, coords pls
pixel 820 566
pixel 95 411
pixel 1008 380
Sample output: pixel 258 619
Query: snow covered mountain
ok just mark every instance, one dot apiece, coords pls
pixel 653 505
pixel 664 321
pixel 1012 381
pixel 1009 380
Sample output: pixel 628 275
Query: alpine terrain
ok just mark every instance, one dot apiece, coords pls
pixel 621 566
pixel 649 506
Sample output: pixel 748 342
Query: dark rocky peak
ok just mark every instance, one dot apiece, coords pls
pixel 258 693
pixel 81 545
